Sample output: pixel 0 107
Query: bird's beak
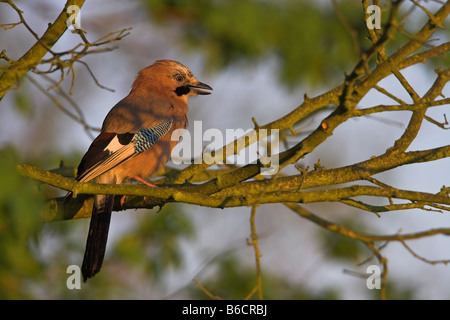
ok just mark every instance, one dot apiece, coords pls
pixel 196 86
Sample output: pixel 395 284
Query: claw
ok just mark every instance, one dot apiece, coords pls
pixel 122 201
pixel 160 208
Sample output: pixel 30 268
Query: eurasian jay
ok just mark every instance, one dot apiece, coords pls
pixel 135 142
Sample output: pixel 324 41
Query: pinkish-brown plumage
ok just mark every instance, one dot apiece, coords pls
pixel 135 142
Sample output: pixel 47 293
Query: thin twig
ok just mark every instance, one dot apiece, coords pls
pixel 254 243
pixel 206 291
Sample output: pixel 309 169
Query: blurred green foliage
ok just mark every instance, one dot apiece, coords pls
pixel 34 256
pixel 311 40
pixel 311 43
pixel 20 207
pixel 343 248
pixel 397 292
pixel 235 280
pixel 141 257
pixel 22 100
pixel 154 245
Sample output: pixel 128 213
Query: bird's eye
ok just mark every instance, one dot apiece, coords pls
pixel 179 78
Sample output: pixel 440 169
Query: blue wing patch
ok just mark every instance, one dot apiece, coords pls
pixel 147 137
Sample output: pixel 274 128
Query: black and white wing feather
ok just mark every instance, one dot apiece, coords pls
pixel 109 150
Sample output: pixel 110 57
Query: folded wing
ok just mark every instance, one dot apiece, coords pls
pixel 109 150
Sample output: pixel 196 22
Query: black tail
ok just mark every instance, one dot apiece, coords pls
pixel 98 236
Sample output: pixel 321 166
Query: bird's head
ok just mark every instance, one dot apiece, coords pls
pixel 174 77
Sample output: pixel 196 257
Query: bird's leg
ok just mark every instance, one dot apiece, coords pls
pixel 144 181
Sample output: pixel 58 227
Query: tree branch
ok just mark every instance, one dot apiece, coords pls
pixel 37 51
